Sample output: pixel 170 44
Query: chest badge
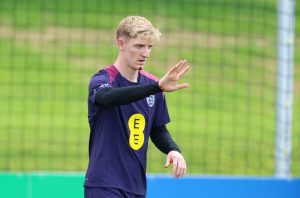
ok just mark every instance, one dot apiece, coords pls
pixel 150 100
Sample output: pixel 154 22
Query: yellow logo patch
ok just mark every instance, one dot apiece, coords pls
pixel 136 124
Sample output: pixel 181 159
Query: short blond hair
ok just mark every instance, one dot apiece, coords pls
pixel 137 26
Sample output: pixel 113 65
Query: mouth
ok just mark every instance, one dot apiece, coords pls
pixel 142 62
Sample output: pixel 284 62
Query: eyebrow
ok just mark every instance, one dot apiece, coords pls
pixel 150 45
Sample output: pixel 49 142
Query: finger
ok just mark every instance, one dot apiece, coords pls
pixel 179 169
pixel 175 164
pixel 179 68
pixel 182 172
pixel 174 69
pixel 183 169
pixel 167 162
pixel 182 86
pixel 183 71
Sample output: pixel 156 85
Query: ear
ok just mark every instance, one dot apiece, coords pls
pixel 120 43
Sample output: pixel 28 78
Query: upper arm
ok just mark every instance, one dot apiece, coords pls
pixel 97 83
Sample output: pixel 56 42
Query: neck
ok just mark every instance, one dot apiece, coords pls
pixel 126 71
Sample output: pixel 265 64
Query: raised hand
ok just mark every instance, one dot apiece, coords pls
pixel 168 82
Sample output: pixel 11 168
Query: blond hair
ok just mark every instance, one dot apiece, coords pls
pixel 137 26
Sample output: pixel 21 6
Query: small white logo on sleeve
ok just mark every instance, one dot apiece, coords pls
pixel 150 100
pixel 104 85
pixel 101 86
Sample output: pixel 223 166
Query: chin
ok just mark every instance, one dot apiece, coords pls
pixel 139 67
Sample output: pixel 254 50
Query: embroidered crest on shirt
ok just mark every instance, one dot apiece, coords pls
pixel 150 100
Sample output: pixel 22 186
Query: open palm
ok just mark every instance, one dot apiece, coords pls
pixel 168 82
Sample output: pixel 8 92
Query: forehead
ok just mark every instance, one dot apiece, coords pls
pixel 140 40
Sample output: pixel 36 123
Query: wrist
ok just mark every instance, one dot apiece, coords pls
pixel 159 86
pixel 175 149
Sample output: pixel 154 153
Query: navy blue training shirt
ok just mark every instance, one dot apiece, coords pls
pixel 119 134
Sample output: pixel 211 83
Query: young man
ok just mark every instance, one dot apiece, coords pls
pixel 126 106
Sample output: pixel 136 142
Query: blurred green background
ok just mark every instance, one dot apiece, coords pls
pixel 224 123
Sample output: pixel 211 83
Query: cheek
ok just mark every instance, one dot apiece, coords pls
pixel 130 56
pixel 134 53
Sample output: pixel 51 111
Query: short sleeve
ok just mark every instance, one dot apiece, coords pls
pixel 98 82
pixel 161 116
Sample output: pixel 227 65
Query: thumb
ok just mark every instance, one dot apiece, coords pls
pixel 182 86
pixel 167 162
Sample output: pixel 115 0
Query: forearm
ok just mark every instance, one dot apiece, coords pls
pixel 108 96
pixel 162 139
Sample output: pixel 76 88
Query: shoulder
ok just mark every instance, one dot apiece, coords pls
pixel 106 75
pixel 149 76
pixel 111 72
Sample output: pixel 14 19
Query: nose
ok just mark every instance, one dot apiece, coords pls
pixel 146 52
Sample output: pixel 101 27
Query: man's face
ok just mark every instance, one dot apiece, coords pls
pixel 136 51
